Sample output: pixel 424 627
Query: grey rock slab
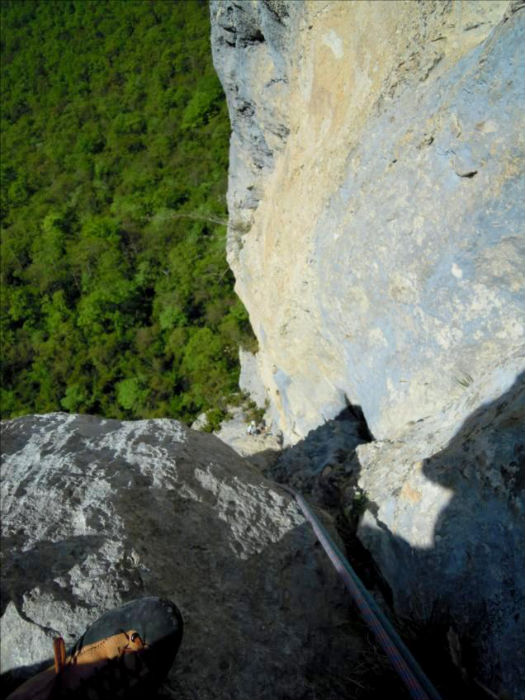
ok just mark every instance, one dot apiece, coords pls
pixel 97 512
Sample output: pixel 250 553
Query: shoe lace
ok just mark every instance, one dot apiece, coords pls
pixel 117 676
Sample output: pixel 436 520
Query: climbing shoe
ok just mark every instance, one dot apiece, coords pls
pixel 126 653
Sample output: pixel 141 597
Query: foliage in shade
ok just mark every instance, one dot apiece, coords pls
pixel 116 295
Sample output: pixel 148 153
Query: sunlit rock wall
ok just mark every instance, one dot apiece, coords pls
pixel 375 196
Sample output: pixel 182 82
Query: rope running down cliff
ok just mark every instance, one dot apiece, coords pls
pixel 419 686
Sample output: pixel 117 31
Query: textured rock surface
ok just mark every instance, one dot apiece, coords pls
pixel 376 186
pixel 250 377
pixel 251 42
pixel 445 522
pixel 377 238
pixel 96 512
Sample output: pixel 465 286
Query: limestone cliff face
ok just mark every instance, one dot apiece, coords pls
pixel 376 235
pixel 375 196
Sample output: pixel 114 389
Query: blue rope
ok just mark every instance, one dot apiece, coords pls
pixel 418 684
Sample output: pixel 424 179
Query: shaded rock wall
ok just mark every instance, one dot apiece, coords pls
pixel 445 522
pixel 376 180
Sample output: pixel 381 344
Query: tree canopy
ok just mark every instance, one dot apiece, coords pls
pixel 116 295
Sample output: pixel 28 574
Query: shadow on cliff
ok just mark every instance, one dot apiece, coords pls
pixel 460 603
pixel 316 465
pixel 464 596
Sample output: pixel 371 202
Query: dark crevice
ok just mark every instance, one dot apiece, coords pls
pixel 356 412
pixel 255 37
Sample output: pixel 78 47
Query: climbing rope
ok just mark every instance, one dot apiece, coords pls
pixel 419 686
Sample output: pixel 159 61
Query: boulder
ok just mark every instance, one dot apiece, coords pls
pixel 97 512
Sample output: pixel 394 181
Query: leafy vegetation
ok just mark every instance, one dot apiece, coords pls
pixel 116 295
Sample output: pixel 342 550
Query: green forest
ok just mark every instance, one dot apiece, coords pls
pixel 116 296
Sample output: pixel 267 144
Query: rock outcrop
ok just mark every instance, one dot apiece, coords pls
pixel 96 512
pixel 377 239
pixel 375 196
